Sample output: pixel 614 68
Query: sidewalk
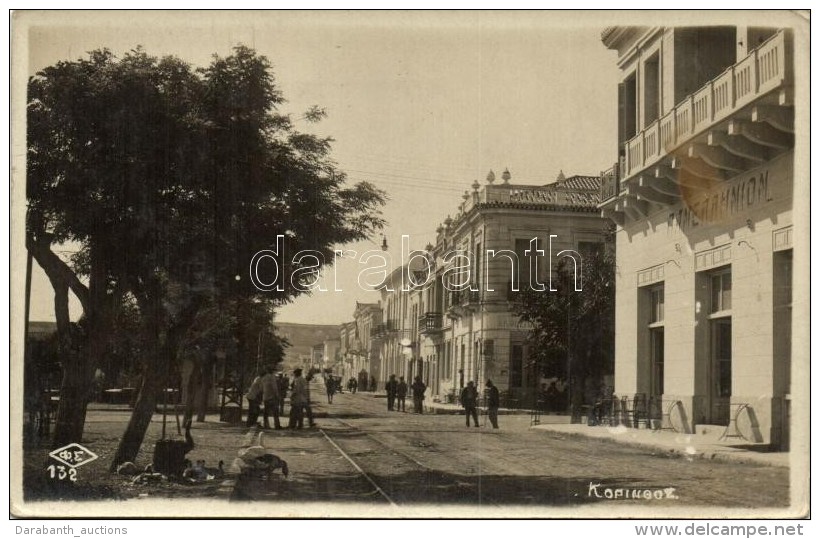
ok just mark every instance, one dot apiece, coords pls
pixel 689 445
pixel 693 446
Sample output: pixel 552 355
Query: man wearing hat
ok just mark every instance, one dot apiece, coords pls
pixel 469 400
pixel 298 400
pixel 492 403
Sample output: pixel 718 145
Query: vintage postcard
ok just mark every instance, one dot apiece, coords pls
pixel 401 264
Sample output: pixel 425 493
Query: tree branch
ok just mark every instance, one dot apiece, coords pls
pixel 56 269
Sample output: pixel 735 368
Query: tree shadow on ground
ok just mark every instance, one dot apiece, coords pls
pixel 433 487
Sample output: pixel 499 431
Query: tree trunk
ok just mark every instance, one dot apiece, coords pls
pixel 140 419
pixel 205 368
pixel 161 351
pixel 74 387
pixel 192 389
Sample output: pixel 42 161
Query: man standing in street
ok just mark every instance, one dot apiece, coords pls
pixel 469 400
pixel 418 388
pixel 492 403
pixel 298 398
pixel 392 388
pixel 254 396
pixel 401 393
pixel 283 382
pixel 270 394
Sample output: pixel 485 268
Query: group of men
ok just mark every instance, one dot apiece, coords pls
pixel 268 391
pixel 397 394
pixel 469 401
pixel 267 395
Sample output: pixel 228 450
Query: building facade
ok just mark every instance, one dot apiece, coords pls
pixel 360 351
pixel 455 322
pixel 702 196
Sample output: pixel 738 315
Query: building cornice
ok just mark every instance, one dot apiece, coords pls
pixel 613 36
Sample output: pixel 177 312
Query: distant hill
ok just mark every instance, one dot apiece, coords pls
pixel 302 337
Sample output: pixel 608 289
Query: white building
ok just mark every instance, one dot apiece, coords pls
pixel 702 195
pixel 451 337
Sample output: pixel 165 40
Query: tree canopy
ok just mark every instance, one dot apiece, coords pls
pixel 170 178
pixel 573 332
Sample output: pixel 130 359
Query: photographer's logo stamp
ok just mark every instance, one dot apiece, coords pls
pixel 71 457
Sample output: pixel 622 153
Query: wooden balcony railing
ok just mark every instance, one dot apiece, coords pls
pixel 610 187
pixel 763 70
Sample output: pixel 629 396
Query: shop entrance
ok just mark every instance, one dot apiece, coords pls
pixel 720 386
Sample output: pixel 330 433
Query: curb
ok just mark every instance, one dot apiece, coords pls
pixel 739 456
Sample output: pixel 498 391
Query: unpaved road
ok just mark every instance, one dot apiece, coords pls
pixel 362 453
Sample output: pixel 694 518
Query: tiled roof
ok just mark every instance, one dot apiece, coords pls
pixel 581 183
pixel 588 207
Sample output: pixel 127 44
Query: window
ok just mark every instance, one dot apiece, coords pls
pixel 628 97
pixel 721 292
pixel 523 263
pixel 656 339
pixel 782 290
pixel 656 314
pixel 656 351
pixel 723 356
pixel 477 280
pixel 516 365
pixel 651 97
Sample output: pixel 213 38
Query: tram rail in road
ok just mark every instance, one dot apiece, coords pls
pixel 387 448
pixel 359 469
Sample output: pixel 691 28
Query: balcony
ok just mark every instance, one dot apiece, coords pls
pixel 471 297
pixel 737 121
pixel 463 302
pixel 430 323
pixel 380 331
pixel 610 186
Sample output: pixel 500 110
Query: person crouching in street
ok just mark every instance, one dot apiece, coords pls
pixel 254 396
pixel 270 394
pixel 492 403
pixel 469 400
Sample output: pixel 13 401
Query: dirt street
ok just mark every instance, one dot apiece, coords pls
pixel 361 452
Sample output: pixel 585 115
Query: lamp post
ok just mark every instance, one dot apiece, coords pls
pixel 569 353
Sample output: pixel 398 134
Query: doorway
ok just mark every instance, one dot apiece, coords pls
pixel 720 387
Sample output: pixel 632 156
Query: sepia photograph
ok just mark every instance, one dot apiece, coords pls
pixel 461 264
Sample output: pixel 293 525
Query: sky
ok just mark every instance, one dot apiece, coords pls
pixel 421 104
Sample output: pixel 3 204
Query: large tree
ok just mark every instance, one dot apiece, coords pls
pixel 170 179
pixel 573 331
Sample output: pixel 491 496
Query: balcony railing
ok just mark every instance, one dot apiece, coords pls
pixel 430 322
pixel 471 297
pixel 763 70
pixel 455 298
pixel 610 186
